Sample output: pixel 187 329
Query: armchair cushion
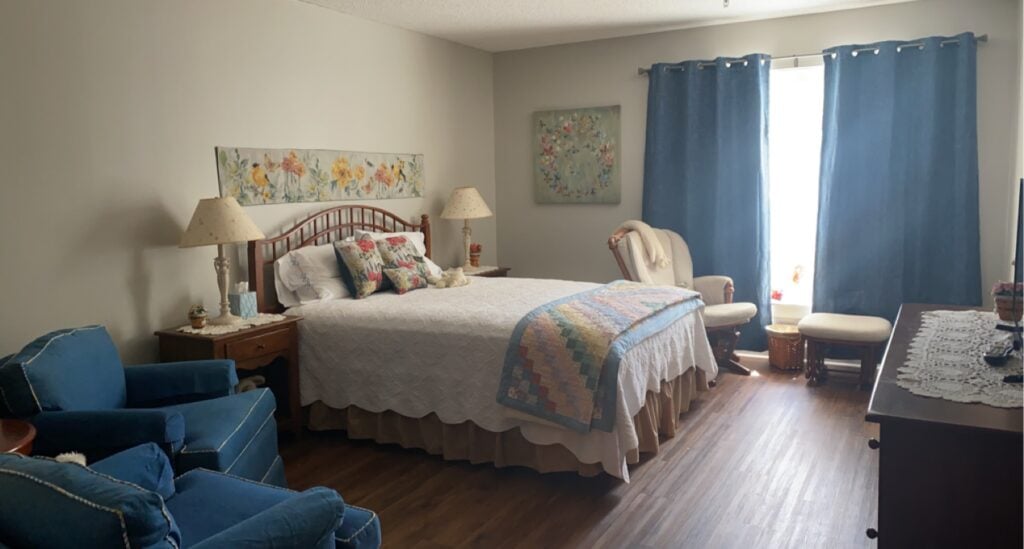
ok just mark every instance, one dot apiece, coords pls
pixel 151 385
pixel 730 314
pixel 237 502
pixel 72 369
pixel 235 434
pixel 145 465
pixel 68 505
pixel 307 519
pixel 101 433
pixel 359 528
pixel 712 288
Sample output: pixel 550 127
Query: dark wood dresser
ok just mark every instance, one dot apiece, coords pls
pixel 950 474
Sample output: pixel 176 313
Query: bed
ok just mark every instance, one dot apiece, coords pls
pixel 422 369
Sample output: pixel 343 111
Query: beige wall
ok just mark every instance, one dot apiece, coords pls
pixel 110 110
pixel 569 241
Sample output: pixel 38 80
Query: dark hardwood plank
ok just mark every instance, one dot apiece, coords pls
pixel 760 461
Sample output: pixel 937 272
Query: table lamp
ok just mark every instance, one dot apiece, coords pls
pixel 220 221
pixel 466 203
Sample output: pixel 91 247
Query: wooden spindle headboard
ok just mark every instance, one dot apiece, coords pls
pixel 320 228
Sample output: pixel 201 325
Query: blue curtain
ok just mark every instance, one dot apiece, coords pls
pixel 898 205
pixel 705 171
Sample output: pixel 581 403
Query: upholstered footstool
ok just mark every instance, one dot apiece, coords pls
pixel 865 334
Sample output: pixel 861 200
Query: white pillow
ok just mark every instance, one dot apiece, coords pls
pixel 285 296
pixel 312 273
pixel 418 240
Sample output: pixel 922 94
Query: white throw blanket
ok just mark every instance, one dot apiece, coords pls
pixel 652 246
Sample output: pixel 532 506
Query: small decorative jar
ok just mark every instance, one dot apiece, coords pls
pixel 474 254
pixel 197 316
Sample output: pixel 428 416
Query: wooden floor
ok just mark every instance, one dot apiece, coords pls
pixel 761 461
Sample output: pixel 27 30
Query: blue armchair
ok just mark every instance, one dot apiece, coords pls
pixel 130 499
pixel 71 385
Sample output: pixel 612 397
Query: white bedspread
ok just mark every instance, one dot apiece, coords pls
pixel 442 351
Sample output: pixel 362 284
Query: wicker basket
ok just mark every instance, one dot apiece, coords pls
pixel 1007 311
pixel 785 347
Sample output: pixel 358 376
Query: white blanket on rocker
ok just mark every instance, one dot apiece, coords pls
pixel 652 246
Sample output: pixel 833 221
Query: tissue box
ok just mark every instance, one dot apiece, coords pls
pixel 243 304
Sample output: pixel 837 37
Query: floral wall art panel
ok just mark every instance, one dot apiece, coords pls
pixel 576 156
pixel 276 176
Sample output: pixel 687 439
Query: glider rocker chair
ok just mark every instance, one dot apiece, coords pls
pixel 722 317
pixel 130 499
pixel 72 386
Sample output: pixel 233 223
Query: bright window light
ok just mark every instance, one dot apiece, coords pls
pixel 794 150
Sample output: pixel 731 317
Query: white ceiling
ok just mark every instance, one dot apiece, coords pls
pixel 500 25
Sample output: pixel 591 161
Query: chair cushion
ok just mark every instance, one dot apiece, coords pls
pixel 856 328
pixel 145 465
pixel 199 491
pixel 728 314
pixel 206 502
pixel 360 528
pixel 67 370
pixel 51 504
pixel 234 434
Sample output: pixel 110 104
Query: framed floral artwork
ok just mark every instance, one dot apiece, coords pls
pixel 276 176
pixel 576 156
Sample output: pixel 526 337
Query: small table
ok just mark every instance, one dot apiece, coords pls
pixel 257 348
pixel 487 271
pixel 785 347
pixel 16 436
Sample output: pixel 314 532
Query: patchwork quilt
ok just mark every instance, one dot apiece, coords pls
pixel 562 361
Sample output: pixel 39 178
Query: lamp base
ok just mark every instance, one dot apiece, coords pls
pixel 225 319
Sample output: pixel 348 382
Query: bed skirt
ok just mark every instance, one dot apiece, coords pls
pixel 466 441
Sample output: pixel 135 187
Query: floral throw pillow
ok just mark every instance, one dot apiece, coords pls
pixel 405 280
pixel 364 264
pixel 399 252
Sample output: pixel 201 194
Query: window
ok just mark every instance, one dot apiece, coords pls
pixel 796 97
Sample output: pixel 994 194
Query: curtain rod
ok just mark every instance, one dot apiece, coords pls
pixel 644 71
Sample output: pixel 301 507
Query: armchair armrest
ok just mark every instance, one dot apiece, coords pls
pixel 103 432
pixel 152 385
pixel 145 465
pixel 307 520
pixel 714 289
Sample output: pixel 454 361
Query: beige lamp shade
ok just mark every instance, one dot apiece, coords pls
pixel 219 221
pixel 466 203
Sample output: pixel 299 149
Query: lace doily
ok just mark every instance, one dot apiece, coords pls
pixel 245 324
pixel 945 360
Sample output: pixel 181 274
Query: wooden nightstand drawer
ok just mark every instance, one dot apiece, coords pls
pixel 260 345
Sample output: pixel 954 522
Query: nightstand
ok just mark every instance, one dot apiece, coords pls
pixel 271 350
pixel 487 271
